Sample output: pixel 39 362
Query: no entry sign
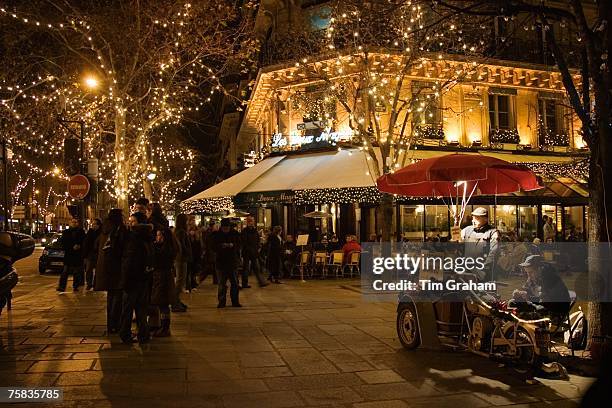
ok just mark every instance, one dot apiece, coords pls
pixel 78 187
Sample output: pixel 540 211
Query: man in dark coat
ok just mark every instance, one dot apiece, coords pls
pixel 227 245
pixel 275 254
pixel 72 242
pixel 250 254
pixel 136 267
pixel 111 243
pixel 209 256
pixel 90 251
pixel 162 285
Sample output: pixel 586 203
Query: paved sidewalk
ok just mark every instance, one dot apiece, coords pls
pixel 312 344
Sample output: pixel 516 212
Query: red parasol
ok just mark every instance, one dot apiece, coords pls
pixel 444 175
pixel 459 175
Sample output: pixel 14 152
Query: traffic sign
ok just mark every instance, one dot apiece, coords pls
pixel 19 212
pixel 78 187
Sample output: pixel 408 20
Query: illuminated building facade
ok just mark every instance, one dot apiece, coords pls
pixel 308 148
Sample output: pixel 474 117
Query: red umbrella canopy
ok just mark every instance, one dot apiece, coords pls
pixel 442 176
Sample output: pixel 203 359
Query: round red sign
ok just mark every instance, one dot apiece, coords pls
pixel 78 187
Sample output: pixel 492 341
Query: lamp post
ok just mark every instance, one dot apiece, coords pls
pixel 91 83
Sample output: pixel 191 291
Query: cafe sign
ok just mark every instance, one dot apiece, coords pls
pixel 280 141
pixel 268 197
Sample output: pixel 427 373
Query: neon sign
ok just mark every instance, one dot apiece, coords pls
pixel 280 141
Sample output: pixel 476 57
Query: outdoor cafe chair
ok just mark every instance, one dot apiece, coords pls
pixel 353 263
pixel 320 262
pixel 335 264
pixel 303 265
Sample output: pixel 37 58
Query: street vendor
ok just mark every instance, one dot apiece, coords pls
pixel 482 239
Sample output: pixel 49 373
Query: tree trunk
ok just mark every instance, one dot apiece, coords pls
pixel 147 185
pixel 386 209
pixel 121 161
pixel 600 222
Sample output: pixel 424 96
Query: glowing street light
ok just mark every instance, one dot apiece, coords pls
pixel 151 176
pixel 91 82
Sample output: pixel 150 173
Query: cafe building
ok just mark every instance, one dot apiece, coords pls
pixel 296 163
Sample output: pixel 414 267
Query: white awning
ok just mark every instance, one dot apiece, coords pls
pixel 235 184
pixel 336 169
pixel 332 169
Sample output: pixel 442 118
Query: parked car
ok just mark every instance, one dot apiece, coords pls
pixel 13 246
pixel 43 239
pixel 52 258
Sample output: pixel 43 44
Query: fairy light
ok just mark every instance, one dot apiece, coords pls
pixel 107 106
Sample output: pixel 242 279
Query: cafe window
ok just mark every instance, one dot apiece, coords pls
pixel 548 115
pixel 551 130
pixel 528 222
pixel 411 219
pixel 426 110
pixel 500 112
pixel 505 219
pixel 574 223
pixel 436 221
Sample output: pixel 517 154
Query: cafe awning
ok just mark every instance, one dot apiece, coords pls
pixel 350 172
pixel 336 169
pixel 236 184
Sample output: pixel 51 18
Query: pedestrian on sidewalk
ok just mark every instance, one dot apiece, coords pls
pixel 209 256
pixel 90 251
pixel 275 254
pixel 141 205
pixel 157 218
pixel 136 269
pixel 72 242
pixel 227 245
pixel 250 254
pixel 182 260
pixel 195 264
pixel 108 266
pixel 162 285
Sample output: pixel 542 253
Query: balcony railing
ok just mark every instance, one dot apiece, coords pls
pixel 292 46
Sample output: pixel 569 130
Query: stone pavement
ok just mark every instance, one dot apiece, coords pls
pixel 293 345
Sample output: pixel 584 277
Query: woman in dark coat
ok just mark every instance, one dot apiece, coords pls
pixel 181 261
pixel 275 254
pixel 137 266
pixel 108 266
pixel 162 286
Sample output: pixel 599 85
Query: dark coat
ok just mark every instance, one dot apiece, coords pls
pixel 138 257
pixel 209 246
pixel 275 248
pixel 162 283
pixel 70 238
pixel 111 243
pixel 90 250
pixel 184 254
pixel 226 246
pixel 196 248
pixel 250 242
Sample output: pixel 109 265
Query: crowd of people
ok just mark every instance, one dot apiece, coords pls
pixel 145 266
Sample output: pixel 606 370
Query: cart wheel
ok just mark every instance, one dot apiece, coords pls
pixel 408 326
pixel 526 356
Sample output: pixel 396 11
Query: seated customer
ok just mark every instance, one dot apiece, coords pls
pixel 351 246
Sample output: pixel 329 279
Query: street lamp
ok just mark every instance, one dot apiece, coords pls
pixel 151 176
pixel 91 82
